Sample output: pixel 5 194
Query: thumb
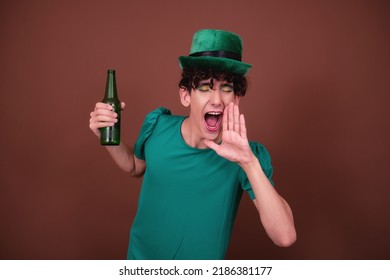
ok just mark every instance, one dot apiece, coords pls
pixel 211 144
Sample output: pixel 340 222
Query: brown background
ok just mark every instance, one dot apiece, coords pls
pixel 318 99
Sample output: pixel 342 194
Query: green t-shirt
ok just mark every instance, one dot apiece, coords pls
pixel 189 197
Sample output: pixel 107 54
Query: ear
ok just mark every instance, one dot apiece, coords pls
pixel 185 97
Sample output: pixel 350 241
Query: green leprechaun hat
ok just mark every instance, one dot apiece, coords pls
pixel 217 49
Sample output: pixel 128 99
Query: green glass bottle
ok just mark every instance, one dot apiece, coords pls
pixel 111 135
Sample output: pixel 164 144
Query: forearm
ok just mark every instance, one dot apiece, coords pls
pixel 123 156
pixel 275 213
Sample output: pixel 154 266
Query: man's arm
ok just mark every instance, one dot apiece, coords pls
pixel 123 155
pixel 275 213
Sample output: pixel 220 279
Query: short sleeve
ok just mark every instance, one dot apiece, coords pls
pixel 265 161
pixel 147 128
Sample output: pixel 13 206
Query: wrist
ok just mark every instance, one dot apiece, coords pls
pixel 250 164
pixel 253 169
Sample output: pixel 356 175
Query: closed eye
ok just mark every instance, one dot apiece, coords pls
pixel 204 87
pixel 227 88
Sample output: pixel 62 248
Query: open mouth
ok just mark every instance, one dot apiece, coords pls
pixel 213 120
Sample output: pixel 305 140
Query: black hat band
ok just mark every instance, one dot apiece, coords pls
pixel 223 54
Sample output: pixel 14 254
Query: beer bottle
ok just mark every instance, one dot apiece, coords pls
pixel 110 135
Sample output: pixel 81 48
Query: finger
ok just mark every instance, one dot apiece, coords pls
pixel 243 131
pixel 236 119
pixel 97 125
pixel 99 120
pixel 212 145
pixel 104 118
pixel 123 105
pixel 103 112
pixel 94 126
pixel 96 117
pixel 230 117
pixel 107 113
pixel 101 105
pixel 225 119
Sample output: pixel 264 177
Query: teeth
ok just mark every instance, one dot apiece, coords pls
pixel 214 113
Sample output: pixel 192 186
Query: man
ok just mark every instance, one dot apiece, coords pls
pixel 196 168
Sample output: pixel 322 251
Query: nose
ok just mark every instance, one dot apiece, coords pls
pixel 216 98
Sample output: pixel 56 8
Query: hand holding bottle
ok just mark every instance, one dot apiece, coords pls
pixel 103 116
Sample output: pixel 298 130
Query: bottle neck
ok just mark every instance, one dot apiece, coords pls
pixel 111 85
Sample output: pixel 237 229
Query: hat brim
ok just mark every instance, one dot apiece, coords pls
pixel 224 64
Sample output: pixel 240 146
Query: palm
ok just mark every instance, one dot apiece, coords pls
pixel 234 146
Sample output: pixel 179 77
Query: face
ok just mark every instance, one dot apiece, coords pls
pixel 207 103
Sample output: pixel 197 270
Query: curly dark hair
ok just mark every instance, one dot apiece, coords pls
pixel 191 77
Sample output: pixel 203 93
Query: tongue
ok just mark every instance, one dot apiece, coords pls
pixel 211 120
